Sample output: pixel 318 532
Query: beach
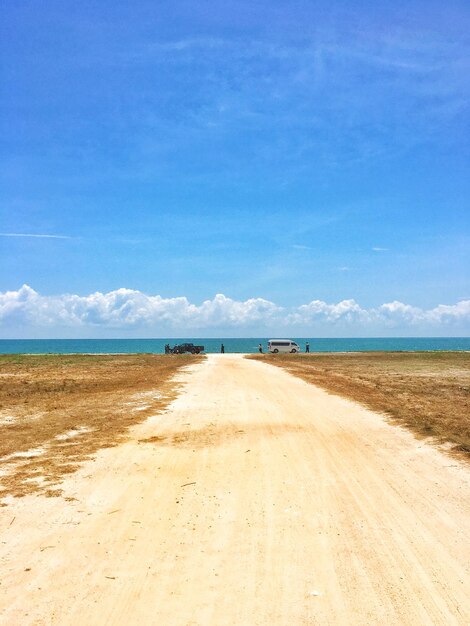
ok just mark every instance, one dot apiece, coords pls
pixel 245 496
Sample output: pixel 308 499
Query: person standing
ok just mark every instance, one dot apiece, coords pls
pixel 307 347
pixel 260 348
pixel 222 349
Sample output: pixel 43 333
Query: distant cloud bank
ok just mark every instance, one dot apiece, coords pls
pixel 127 309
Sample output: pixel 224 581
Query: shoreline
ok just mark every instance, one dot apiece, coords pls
pixel 246 345
pixel 303 353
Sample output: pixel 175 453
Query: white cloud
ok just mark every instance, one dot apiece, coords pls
pixel 318 311
pixel 181 45
pixel 37 236
pixel 127 308
pixel 450 313
pixel 131 309
pixel 377 249
pixel 397 311
pixel 441 315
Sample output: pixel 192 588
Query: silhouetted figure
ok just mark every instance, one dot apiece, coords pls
pixel 222 349
pixel 307 347
pixel 260 348
pixel 167 348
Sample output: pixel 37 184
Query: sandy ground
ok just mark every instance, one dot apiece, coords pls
pixel 255 499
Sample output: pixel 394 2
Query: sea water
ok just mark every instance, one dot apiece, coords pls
pixel 244 345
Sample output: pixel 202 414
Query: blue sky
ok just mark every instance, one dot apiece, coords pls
pixel 283 151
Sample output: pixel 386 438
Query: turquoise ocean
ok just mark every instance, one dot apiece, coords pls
pixel 248 344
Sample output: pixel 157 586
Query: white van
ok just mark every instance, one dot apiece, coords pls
pixel 283 345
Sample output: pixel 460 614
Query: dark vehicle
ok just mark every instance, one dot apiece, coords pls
pixel 186 347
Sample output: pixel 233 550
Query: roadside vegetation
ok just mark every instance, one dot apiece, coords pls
pixel 56 411
pixel 429 392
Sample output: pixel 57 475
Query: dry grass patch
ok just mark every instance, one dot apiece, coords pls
pixel 56 411
pixel 429 392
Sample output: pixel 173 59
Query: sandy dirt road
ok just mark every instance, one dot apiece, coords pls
pixel 255 499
